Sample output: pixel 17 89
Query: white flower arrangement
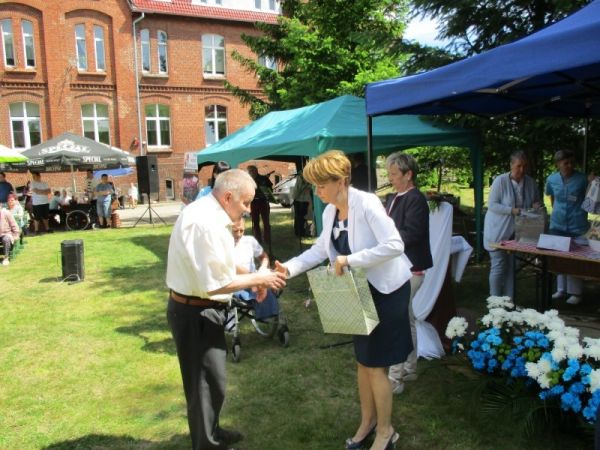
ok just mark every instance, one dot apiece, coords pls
pixel 457 327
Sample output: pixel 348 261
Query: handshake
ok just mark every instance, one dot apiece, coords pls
pixel 269 279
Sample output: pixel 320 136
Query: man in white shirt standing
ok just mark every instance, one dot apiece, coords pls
pixel 201 275
pixel 40 201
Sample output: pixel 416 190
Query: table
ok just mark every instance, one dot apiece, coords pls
pixel 581 261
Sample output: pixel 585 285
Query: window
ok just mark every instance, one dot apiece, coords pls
pixel 158 125
pixel 25 124
pixel 272 5
pixel 267 62
pixel 257 4
pixel 82 63
pixel 99 47
pixel 213 48
pixel 145 43
pixel 28 47
pixel 215 123
pixel 8 43
pixel 94 118
pixel 162 52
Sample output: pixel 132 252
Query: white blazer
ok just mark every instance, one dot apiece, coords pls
pixel 374 242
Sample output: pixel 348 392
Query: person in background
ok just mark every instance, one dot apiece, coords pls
pixel 409 209
pixel 17 211
pixel 27 196
pixel 247 252
pixel 511 192
pixel 65 199
pixel 201 276
pixel 54 210
pixel 566 188
pixel 9 233
pixel 103 192
pixel 218 169
pixel 132 195
pixel 90 188
pixel 40 202
pixel 5 189
pixel 260 208
pixel 360 173
pixel 357 232
pixel 302 195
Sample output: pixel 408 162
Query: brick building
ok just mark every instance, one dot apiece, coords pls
pixel 70 65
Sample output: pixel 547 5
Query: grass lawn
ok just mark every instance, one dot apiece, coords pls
pixel 91 365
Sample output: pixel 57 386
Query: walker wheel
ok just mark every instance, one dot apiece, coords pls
pixel 284 336
pixel 236 353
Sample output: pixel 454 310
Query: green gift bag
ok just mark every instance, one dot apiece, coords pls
pixel 345 303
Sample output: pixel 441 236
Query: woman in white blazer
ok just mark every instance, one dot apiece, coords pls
pixel 357 232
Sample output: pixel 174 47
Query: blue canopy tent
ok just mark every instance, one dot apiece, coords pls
pixel 553 72
pixel 339 123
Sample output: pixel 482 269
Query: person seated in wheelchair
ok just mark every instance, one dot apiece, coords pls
pixel 247 252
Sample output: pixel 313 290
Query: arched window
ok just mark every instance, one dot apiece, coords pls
pixel 8 43
pixel 145 44
pixel 215 123
pixel 25 124
pixel 163 66
pixel 213 54
pixel 28 43
pixel 158 125
pixel 94 119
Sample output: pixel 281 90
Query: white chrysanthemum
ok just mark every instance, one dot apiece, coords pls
pixel 574 351
pixel 499 302
pixel 594 380
pixel 544 381
pixel 554 335
pixel 555 324
pixel 562 341
pixel 572 332
pixel 457 327
pixel 592 351
pixel 559 354
pixel 551 313
pixel 532 370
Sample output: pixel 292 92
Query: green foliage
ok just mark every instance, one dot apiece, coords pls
pixel 323 49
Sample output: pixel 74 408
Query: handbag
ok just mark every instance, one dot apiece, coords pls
pixel 344 301
pixel 591 203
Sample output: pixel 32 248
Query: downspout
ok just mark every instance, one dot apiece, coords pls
pixel 137 83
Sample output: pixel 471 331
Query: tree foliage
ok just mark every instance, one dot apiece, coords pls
pixel 323 48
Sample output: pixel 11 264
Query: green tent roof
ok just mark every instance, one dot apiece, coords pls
pixel 340 123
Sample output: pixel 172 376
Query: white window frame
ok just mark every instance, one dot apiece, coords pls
pixel 28 43
pixel 162 41
pixel 99 45
pixel 212 50
pixel 26 120
pixel 96 119
pixel 145 49
pixel 212 117
pixel 158 121
pixel 82 59
pixel 8 42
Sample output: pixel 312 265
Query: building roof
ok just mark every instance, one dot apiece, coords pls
pixel 186 8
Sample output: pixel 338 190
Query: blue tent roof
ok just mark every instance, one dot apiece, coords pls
pixel 339 123
pixel 553 72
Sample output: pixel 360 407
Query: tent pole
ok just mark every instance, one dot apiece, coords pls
pixel 369 151
pixel 586 131
pixel 73 182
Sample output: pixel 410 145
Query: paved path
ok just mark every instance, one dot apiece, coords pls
pixel 168 211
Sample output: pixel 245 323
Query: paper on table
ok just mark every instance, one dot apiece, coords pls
pixel 551 242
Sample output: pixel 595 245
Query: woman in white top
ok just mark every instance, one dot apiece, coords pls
pixel 40 201
pixel 357 232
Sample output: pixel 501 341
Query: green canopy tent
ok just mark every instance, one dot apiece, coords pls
pixel 339 123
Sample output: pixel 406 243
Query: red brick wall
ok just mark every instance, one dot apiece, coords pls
pixel 60 89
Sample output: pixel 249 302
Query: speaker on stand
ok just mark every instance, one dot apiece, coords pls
pixel 148 183
pixel 72 260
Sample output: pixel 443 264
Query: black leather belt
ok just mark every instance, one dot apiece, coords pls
pixel 197 301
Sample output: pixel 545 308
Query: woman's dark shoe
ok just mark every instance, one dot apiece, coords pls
pixel 352 445
pixel 228 437
pixel 391 445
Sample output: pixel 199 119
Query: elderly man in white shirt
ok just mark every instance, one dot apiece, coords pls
pixel 201 275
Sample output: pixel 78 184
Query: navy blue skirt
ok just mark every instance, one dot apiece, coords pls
pixel 390 342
